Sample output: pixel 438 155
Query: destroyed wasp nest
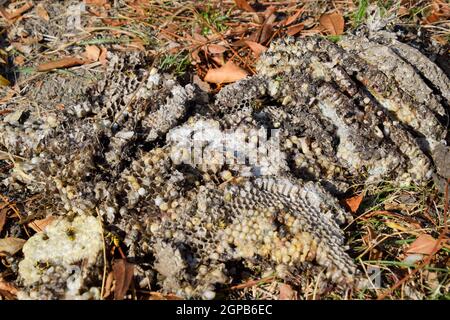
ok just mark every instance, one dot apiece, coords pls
pixel 367 109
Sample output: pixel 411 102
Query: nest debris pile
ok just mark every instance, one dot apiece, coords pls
pixel 366 109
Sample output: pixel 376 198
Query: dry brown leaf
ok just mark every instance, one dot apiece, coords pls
pixel 266 33
pixel 402 11
pixel 19 60
pixel 8 287
pixel 9 246
pixel 42 13
pixel 353 203
pixel 92 53
pixel 216 49
pixel 244 5
pixel 218 59
pixel 432 18
pixel 333 22
pixel 103 54
pixel 286 292
pixel 3 213
pixel 226 74
pixel 256 47
pixel 199 38
pixel 269 14
pixel 4 82
pixel 61 63
pixel 40 225
pixel 296 28
pixel 123 274
pixel 109 285
pixel 294 17
pixel 9 15
pixel 424 244
pixel 195 55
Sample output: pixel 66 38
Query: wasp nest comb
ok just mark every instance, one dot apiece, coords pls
pixel 201 189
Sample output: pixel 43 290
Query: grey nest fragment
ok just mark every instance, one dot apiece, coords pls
pixel 365 109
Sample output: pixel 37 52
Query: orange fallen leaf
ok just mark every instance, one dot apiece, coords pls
pixel 123 274
pixel 333 22
pixel 216 49
pixel 424 244
pixel 108 285
pixel 42 13
pixel 9 246
pixel 2 218
pixel 8 287
pixel 296 28
pixel 9 15
pixel 353 203
pixel 92 53
pixel 294 17
pixel 244 5
pixel 286 292
pixel 402 11
pixel 40 225
pixel 432 18
pixel 19 60
pixel 256 47
pixel 226 74
pixel 266 32
pixel 103 54
pixel 61 63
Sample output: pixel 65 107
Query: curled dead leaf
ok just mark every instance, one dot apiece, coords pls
pixel 42 13
pixel 257 48
pixel 40 225
pixel 226 74
pixel 19 60
pixel 103 54
pixel 333 22
pixel 9 15
pixel 294 17
pixel 216 49
pixel 123 274
pixel 7 288
pixel 4 82
pixel 9 246
pixel 61 63
pixel 286 292
pixel 296 28
pixel 424 244
pixel 353 203
pixel 3 213
pixel 109 285
pixel 244 5
pixel 92 53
